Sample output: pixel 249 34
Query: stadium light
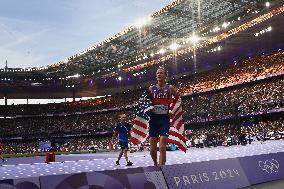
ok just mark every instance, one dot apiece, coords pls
pixel 216 29
pixel 174 46
pixel 142 22
pixel 74 76
pixel 161 51
pixel 194 39
pixel 224 25
pixel 267 4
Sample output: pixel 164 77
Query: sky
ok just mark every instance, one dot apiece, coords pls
pixel 36 33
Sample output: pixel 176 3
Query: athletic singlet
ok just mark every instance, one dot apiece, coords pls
pixel 161 99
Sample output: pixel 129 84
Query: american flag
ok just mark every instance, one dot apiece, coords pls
pixel 139 132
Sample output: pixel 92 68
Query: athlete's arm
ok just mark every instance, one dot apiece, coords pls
pixel 150 89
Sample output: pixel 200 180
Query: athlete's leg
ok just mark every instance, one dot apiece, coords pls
pixel 125 154
pixel 162 149
pixel 153 149
pixel 128 163
pixel 164 133
pixel 120 153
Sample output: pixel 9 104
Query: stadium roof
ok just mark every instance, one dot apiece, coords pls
pixel 169 29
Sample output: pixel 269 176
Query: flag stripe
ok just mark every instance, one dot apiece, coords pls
pixel 135 140
pixel 136 131
pixel 141 129
pixel 138 137
pixel 176 120
pixel 182 147
pixel 178 124
pixel 178 141
pixel 143 121
pixel 140 124
pixel 174 103
pixel 178 109
pixel 178 135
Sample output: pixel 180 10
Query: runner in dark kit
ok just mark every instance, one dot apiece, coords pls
pixel 122 133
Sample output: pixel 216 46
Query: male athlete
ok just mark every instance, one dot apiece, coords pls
pixel 122 132
pixel 159 124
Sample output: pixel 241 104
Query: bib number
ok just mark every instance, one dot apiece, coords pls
pixel 161 109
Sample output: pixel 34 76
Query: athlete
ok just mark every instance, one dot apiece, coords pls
pixel 122 133
pixel 159 124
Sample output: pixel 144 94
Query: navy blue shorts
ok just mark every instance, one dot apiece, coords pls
pixel 123 144
pixel 159 125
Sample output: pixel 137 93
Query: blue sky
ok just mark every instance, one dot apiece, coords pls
pixel 42 32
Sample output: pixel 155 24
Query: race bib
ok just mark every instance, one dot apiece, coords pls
pixel 161 109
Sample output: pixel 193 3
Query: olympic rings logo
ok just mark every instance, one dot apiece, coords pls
pixel 269 166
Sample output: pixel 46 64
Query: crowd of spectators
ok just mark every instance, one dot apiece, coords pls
pixel 86 144
pixel 235 102
pixel 20 147
pixel 234 92
pixel 62 125
pixel 229 134
pixel 250 70
pixel 71 145
pixel 230 102
pixel 116 101
pixel 208 136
